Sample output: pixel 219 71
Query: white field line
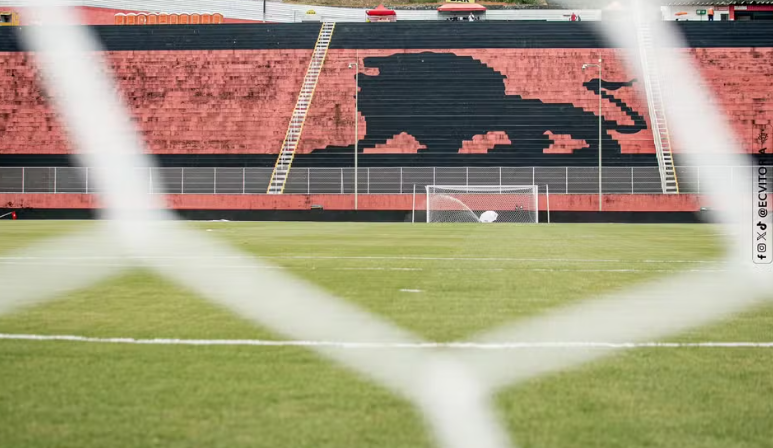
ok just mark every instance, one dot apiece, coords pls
pixel 58 262
pixel 388 345
pixel 343 257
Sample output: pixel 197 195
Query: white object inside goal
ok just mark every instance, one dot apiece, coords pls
pixel 482 203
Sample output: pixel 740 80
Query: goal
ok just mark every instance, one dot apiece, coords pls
pixel 482 203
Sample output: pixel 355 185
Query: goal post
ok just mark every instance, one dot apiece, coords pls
pixel 482 203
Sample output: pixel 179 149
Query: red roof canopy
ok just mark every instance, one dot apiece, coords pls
pixel 380 10
pixel 461 7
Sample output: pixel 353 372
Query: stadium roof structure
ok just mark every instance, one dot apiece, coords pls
pixel 606 3
pixel 380 10
pixel 716 2
pixel 461 7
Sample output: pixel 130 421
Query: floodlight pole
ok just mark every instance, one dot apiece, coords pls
pixel 601 118
pixel 356 66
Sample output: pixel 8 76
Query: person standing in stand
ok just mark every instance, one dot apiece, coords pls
pixel 711 13
pixel 573 18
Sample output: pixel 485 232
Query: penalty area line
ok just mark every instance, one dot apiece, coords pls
pixel 387 345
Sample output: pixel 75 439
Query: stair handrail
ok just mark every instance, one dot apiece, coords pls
pixel 322 30
pixel 648 87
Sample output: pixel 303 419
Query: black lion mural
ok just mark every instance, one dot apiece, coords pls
pixel 442 99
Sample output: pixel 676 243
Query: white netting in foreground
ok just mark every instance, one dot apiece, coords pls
pixel 454 390
pixel 482 203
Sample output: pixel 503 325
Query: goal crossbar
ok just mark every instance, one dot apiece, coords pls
pixel 487 187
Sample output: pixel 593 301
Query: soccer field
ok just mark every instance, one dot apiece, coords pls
pixel 442 282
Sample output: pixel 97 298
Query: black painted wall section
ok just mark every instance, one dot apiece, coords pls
pixel 408 35
pixel 441 113
pixel 241 36
pixel 341 160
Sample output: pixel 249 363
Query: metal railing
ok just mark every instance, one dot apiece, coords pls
pixel 381 180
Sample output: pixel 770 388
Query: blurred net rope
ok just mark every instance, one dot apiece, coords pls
pixel 453 390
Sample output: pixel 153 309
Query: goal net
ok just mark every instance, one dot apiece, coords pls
pixel 482 203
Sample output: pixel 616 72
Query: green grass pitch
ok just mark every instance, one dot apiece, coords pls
pixel 76 394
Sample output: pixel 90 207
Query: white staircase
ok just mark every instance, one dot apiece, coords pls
pixel 649 66
pixel 293 135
